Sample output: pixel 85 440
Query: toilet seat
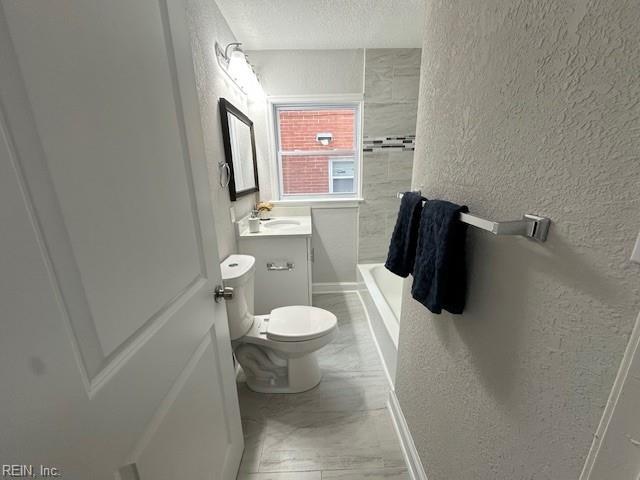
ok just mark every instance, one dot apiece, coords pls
pixel 299 323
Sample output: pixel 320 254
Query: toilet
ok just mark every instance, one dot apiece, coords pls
pixel 276 351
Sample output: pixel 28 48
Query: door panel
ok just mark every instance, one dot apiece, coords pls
pixel 173 448
pixel 112 348
pixel 111 135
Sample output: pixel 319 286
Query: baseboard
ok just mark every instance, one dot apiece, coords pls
pixel 600 437
pixel 411 457
pixel 334 287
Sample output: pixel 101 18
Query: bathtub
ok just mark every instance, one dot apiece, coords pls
pixel 381 293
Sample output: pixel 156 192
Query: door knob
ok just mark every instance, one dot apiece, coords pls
pixel 222 293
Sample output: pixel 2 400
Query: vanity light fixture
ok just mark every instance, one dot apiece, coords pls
pixel 234 63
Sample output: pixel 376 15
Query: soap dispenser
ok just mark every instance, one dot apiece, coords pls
pixel 254 221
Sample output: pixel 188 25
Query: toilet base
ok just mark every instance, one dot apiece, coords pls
pixel 301 374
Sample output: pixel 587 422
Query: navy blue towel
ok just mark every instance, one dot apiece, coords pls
pixel 440 274
pixel 402 248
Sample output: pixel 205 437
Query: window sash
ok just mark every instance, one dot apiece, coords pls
pixel 332 185
pixel 333 177
pixel 354 153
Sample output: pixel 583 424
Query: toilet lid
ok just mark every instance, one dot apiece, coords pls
pixel 298 323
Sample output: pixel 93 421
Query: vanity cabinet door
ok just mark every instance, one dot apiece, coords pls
pixel 282 272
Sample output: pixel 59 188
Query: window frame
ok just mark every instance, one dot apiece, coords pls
pixel 353 102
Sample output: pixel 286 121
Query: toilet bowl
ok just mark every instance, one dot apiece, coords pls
pixel 276 351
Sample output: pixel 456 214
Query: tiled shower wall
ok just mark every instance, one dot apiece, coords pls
pixel 392 79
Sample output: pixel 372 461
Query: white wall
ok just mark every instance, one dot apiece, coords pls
pixel 526 107
pixel 316 72
pixel 334 243
pixel 308 72
pixel 207 25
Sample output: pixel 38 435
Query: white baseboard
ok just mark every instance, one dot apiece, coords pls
pixel 411 457
pixel 602 434
pixel 334 287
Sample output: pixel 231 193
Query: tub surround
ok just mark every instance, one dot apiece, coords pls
pixel 394 144
pixel 391 82
pixel 385 289
pixel 381 294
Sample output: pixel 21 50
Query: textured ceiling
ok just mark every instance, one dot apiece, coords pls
pixel 325 24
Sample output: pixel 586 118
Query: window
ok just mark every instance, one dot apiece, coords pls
pixel 318 149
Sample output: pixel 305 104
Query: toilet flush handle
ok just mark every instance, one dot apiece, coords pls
pixel 222 293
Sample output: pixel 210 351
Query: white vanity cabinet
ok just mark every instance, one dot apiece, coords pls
pixel 283 271
pixel 282 249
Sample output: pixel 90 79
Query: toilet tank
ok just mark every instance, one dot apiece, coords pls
pixel 238 272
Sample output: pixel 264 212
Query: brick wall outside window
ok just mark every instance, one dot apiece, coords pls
pixel 298 129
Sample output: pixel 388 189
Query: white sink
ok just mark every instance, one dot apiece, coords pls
pixel 281 224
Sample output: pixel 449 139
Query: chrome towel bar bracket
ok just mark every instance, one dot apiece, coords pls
pixel 531 226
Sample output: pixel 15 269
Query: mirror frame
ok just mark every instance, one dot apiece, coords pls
pixel 227 108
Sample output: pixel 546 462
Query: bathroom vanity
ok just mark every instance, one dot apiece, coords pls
pixel 282 249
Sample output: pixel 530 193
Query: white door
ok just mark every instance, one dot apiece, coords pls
pixel 115 361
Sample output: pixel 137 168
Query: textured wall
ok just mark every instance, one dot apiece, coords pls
pixel 309 72
pixel 526 107
pixel 392 78
pixel 207 25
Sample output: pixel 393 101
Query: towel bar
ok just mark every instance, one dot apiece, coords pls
pixel 531 226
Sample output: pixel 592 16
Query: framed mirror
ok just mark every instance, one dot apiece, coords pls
pixel 239 149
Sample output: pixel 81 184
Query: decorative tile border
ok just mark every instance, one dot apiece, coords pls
pixel 404 143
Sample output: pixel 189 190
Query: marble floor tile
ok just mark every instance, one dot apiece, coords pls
pixel 253 432
pixel 310 459
pixel 341 425
pixel 326 430
pixel 376 474
pixel 338 392
pixel 282 476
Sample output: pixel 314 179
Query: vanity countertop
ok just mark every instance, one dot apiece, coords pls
pixel 280 227
pixel 283 223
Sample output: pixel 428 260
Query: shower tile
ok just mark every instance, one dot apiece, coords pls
pixel 401 167
pixel 405 84
pixel 375 167
pixel 371 223
pixel 376 57
pixel 373 249
pixel 378 83
pixel 390 119
pixel 383 190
